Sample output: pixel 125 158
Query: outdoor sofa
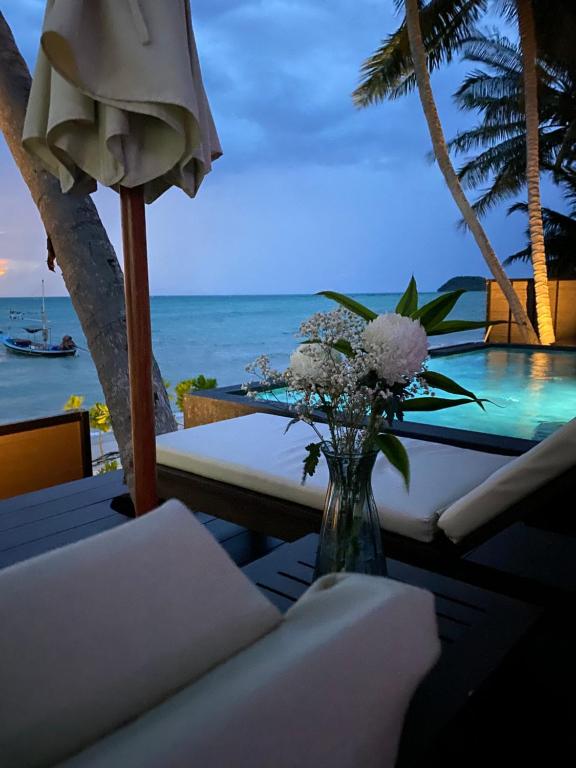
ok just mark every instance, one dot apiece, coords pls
pixel 146 646
pixel 248 470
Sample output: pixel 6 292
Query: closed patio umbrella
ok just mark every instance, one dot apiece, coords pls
pixel 117 98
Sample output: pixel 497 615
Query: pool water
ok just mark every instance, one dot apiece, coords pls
pixel 532 392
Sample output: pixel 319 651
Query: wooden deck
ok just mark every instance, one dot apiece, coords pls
pixel 37 522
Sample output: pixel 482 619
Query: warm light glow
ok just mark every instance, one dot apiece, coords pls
pixel 3 266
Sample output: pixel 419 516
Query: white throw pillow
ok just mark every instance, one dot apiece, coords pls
pixel 97 632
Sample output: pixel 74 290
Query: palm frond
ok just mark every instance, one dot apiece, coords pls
pixel 478 169
pixel 567 148
pixel 505 165
pixel 480 89
pixel 494 150
pixel 446 25
pixel 559 241
pixel 483 135
pixel 568 180
pixel 507 183
pixel 495 51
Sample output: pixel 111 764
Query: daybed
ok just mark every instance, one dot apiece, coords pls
pixel 248 471
pixel 146 646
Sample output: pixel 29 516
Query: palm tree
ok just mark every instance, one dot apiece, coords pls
pixel 445 24
pixel 527 30
pixel 496 92
pixel 403 61
pixel 522 138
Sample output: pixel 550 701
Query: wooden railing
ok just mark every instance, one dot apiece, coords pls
pixel 44 452
pixel 562 301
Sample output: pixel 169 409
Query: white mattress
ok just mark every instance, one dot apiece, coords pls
pixel 253 452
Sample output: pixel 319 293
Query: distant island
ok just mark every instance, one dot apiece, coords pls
pixel 470 283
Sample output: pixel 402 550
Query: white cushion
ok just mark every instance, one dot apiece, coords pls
pixel 511 483
pixel 99 631
pixel 328 687
pixel 253 452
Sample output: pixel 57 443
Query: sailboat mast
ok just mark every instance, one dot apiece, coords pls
pixel 44 322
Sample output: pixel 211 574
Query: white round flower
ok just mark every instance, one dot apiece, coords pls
pixel 313 364
pixel 396 346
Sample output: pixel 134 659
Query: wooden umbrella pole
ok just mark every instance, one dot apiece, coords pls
pixel 139 348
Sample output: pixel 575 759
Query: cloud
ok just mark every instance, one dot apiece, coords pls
pixel 3 267
pixel 310 192
pixel 280 76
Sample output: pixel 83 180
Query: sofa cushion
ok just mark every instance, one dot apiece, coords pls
pixel 97 632
pixel 511 483
pixel 329 687
pixel 254 452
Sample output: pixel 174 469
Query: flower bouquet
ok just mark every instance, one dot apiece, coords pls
pixel 357 371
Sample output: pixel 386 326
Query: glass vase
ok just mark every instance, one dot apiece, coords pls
pixel 350 537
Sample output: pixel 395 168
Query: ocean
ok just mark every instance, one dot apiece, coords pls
pixel 214 335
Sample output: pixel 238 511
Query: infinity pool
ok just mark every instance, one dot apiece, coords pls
pixel 532 392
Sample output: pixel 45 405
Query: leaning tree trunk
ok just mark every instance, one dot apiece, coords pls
pixel 85 255
pixel 418 52
pixel 536 225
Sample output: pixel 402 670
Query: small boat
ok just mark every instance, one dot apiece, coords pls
pixel 32 345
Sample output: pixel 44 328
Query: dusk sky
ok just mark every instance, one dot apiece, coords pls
pixel 311 193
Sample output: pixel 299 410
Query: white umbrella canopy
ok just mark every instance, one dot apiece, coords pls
pixel 117 98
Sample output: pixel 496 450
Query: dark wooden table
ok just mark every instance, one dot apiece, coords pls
pixel 38 522
pixel 477 629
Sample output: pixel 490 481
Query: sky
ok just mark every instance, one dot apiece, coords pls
pixel 311 193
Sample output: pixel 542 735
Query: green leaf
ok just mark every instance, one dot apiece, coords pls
pixel 408 304
pixel 100 417
pixel 396 454
pixel 187 386
pixel 436 403
pixel 201 382
pixel 73 403
pixel 350 304
pixel 311 460
pixel 109 466
pixel 439 381
pixel 291 423
pixel 342 345
pixel 456 326
pixel 436 310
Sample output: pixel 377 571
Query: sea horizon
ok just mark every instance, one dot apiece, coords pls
pixel 236 295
